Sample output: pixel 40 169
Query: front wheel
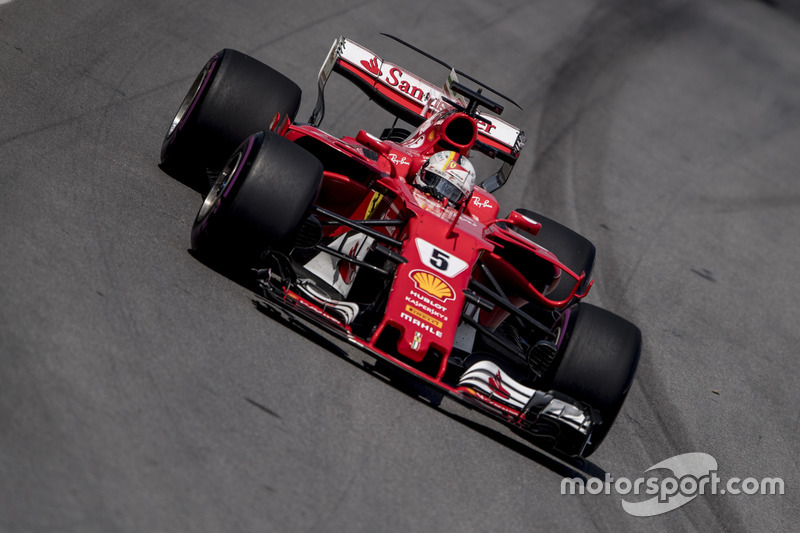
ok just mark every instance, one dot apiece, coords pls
pixel 259 199
pixel 598 364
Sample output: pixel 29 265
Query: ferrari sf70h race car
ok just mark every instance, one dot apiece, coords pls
pixel 387 242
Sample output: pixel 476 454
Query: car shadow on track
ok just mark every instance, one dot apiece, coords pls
pixel 567 467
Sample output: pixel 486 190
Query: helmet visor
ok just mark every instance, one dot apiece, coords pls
pixel 438 187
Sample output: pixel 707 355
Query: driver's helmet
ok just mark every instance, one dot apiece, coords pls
pixel 448 175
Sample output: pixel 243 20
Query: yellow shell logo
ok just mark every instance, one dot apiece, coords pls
pixel 433 285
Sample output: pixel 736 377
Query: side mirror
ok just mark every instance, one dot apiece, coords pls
pixel 522 222
pixel 373 143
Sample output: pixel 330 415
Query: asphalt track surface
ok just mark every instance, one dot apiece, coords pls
pixel 142 391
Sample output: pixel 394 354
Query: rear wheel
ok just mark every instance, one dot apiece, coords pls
pixel 233 97
pixel 259 199
pixel 598 364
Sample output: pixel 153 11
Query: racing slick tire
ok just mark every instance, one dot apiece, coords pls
pixel 233 97
pixel 259 199
pixel 598 365
pixel 571 248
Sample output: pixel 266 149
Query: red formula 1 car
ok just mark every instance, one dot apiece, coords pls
pixel 385 241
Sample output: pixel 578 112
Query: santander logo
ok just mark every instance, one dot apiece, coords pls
pixel 372 66
pixel 395 79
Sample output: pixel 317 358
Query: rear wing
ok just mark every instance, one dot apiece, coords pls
pixel 412 99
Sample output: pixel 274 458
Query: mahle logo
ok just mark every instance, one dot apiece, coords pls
pixel 693 474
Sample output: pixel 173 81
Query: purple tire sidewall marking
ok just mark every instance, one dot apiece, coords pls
pixel 247 150
pixel 230 185
pixel 212 65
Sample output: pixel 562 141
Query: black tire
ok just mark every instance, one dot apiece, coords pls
pixel 598 364
pixel 571 248
pixel 233 97
pixel 262 194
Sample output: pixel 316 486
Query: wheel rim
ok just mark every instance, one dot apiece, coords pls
pixel 217 191
pixel 194 90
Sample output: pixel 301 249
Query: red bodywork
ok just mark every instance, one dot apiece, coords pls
pixel 444 247
pixel 427 295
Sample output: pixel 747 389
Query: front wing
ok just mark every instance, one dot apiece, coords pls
pixel 484 386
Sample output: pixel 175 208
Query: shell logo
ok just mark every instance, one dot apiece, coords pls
pixel 433 285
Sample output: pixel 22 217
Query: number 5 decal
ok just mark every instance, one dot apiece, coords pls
pixel 444 262
pixel 439 259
